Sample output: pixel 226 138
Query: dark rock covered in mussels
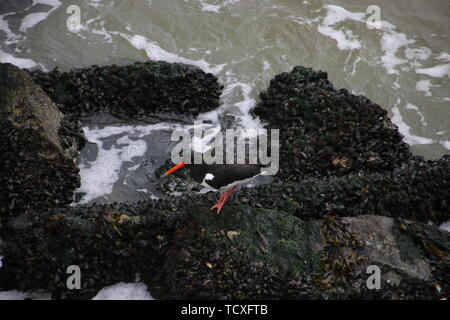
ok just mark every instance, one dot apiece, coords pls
pixel 149 88
pixel 328 132
pixel 38 147
pixel 182 251
pixel 418 192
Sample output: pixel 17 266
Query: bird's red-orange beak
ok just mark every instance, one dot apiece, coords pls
pixel 178 166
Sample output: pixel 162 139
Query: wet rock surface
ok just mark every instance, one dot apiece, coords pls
pixel 143 88
pixel 415 192
pixel 328 132
pixel 182 251
pixel 38 147
pixel 348 195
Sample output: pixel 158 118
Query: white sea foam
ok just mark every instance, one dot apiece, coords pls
pixel 443 56
pixel 337 14
pixel 215 8
pixel 103 32
pixel 391 42
pixel 404 128
pixel 424 86
pixel 99 176
pixel 134 168
pixel 410 106
pixel 20 62
pixel 438 71
pixel 445 144
pixel 206 7
pixel 33 19
pixel 422 53
pixel 345 38
pixel 11 37
pixel 156 53
pixel 246 120
pixel 124 291
pixel 236 99
pixel 95 3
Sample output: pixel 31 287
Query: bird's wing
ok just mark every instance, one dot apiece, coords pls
pixel 226 174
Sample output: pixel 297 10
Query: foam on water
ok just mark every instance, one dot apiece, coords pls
pixel 103 32
pixel 28 22
pixel 424 86
pixel 11 37
pixel 99 176
pixel 124 291
pixel 33 19
pixel 410 106
pixel 266 65
pixel 95 3
pixel 344 38
pixel 445 144
pixel 391 42
pixel 206 7
pixel 156 53
pixel 422 53
pixel 398 56
pixel 20 62
pixel 215 8
pixel 405 129
pixel 438 71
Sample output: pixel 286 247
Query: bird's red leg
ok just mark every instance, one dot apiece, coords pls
pixel 223 199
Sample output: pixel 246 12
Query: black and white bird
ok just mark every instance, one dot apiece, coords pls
pixel 222 177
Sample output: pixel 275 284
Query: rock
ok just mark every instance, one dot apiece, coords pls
pixel 407 270
pixel 417 192
pixel 187 253
pixel 38 147
pixel 385 246
pixel 326 132
pixel 120 240
pixel 139 90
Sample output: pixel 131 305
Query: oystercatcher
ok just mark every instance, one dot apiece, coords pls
pixel 221 177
